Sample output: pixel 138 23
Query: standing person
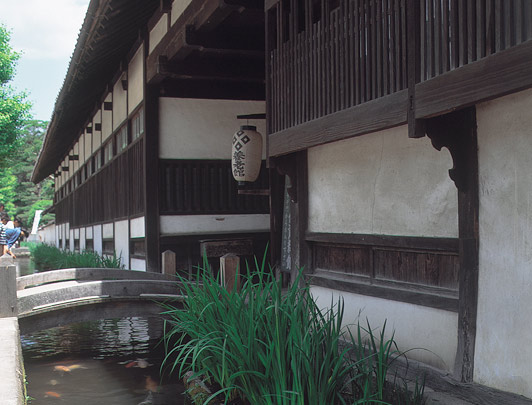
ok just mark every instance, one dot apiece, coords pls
pixel 4 218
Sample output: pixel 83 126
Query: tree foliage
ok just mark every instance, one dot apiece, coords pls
pixel 25 196
pixel 14 107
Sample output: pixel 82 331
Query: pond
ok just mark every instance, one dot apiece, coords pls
pixel 111 361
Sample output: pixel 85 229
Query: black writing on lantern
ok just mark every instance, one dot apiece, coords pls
pixel 238 163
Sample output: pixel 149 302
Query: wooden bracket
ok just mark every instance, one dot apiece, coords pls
pixel 448 131
pixel 287 165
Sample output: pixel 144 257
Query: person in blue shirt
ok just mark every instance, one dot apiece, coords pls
pixel 13 234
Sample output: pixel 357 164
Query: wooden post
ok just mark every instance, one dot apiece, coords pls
pixel 229 271
pixel 168 260
pixel 8 293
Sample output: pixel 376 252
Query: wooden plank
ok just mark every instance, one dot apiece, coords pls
pixel 382 113
pixel 430 39
pixel 453 23
pixel 471 31
pixel 401 242
pixel 499 32
pixel 379 49
pixel 393 46
pixel 357 77
pixel 385 48
pixel 397 293
pixel 494 76
pixel 481 29
pixel 446 60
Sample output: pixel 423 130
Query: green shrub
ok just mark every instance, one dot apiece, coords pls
pixel 266 345
pixel 47 257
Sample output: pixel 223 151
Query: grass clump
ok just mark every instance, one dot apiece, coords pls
pixel 47 257
pixel 265 345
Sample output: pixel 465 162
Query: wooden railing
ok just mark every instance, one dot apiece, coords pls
pixel 206 187
pixel 455 33
pixel 325 56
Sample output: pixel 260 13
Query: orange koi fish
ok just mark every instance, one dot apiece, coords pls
pixel 52 394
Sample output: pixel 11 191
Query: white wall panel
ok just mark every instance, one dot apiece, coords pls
pixel 135 81
pixel 194 224
pixel 503 351
pixel 203 129
pixel 122 241
pixel 382 183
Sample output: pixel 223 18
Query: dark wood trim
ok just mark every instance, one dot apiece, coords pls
pixel 402 242
pixel 277 186
pixel 303 247
pixel 151 179
pixel 415 129
pixel 269 4
pixel 458 132
pixel 385 112
pixel 493 76
pixel 403 292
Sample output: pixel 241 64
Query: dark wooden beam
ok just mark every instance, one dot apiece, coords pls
pixel 493 76
pixel 403 242
pixel 457 131
pixel 385 112
pixel 151 171
pixel 387 291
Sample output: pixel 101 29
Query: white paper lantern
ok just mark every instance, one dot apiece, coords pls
pixel 246 154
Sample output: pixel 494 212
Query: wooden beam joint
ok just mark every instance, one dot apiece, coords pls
pixel 448 131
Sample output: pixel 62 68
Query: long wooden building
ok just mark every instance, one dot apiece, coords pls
pixel 140 137
pixel 398 138
pixel 404 127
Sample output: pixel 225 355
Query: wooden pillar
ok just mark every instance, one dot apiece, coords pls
pixel 457 131
pixel 230 271
pixel 151 178
pixel 168 262
pixel 8 290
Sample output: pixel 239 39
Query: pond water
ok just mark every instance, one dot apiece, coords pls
pixel 111 362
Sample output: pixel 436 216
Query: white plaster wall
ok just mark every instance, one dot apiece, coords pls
pixel 88 232
pixel 193 224
pixel 122 241
pixel 178 6
pixel 431 332
pixel 88 144
pixel 138 264
pixel 503 353
pixel 107 232
pixel 203 129
pixel 82 240
pixel 97 239
pixel 119 104
pixel 76 233
pixel 48 234
pixel 58 236
pixel 158 31
pixel 107 119
pixel 96 135
pixel 135 81
pixel 71 240
pixel 137 228
pixel 81 142
pixel 382 183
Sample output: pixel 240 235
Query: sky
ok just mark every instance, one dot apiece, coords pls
pixel 45 33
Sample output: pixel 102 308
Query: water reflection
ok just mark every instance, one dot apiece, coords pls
pixel 112 361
